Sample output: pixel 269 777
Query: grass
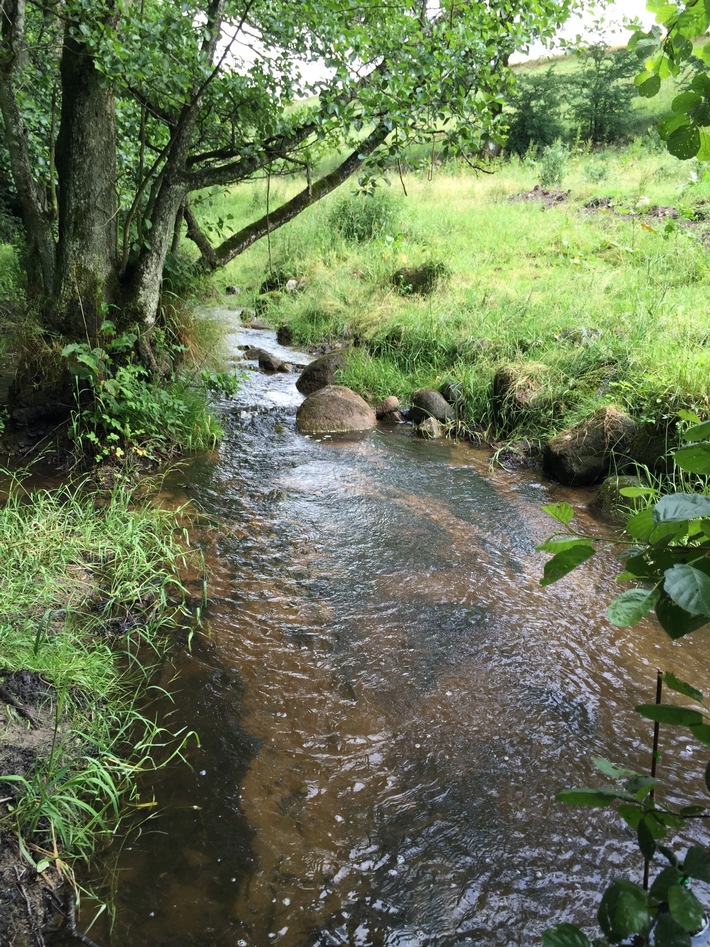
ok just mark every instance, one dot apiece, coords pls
pixel 93 585
pixel 523 279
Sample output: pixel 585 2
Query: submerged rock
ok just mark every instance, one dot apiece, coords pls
pixel 581 454
pixel 430 428
pixel 333 410
pixel 268 363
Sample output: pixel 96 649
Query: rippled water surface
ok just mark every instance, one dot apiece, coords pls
pixel 387 702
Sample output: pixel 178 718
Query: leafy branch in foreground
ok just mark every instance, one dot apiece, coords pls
pixel 666 50
pixel 668 555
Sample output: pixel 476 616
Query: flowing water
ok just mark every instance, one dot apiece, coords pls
pixel 387 702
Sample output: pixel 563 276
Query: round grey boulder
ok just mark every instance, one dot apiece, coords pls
pixel 334 410
pixel 427 403
pixel 321 372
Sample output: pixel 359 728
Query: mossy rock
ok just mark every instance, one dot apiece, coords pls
pixel 609 499
pixel 321 372
pixel 420 280
pixel 581 455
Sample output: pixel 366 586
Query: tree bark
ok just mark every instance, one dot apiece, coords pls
pixel 86 281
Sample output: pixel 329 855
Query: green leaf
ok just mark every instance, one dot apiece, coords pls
pixel 560 511
pixel 679 507
pixel 662 882
pixel 670 713
pixel 565 935
pixel 701 733
pixel 696 863
pixel 686 101
pixel 694 459
pixel 611 769
pixel 698 432
pixel 623 910
pixel 689 588
pixel 636 491
pixel 671 123
pixel 685 908
pixel 631 814
pixel 564 562
pixel 560 545
pixel 702 117
pixel 592 797
pixel 647 843
pixel 668 933
pixel 682 687
pixel 650 87
pixel 684 143
pixel 631 606
pixel 689 812
pixel 640 786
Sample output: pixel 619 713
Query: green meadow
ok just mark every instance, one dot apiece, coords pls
pixel 602 305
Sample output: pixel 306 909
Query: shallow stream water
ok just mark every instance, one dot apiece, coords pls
pixel 387 702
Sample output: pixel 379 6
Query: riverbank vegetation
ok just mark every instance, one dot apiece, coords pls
pixel 594 291
pixel 95 591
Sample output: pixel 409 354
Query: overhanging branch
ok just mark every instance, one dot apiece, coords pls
pixel 240 241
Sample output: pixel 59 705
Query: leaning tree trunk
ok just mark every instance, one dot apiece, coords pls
pixel 86 281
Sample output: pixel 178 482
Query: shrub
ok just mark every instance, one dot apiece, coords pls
pixel 365 216
pixel 553 164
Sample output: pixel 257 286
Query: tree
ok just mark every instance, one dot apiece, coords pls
pixel 600 95
pixel 117 112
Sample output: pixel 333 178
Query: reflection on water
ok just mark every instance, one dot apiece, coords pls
pixel 387 702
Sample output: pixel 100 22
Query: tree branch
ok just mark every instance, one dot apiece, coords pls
pixel 238 242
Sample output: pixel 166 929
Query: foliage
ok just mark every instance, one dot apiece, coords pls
pixel 668 560
pixel 599 95
pixel 535 103
pixel 665 51
pixel 169 102
pixel 553 164
pixel 121 411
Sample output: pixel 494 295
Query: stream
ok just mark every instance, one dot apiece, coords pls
pixel 387 702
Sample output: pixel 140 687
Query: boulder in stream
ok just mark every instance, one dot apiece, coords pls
pixel 268 363
pixel 321 372
pixel 581 455
pixel 427 403
pixel 334 410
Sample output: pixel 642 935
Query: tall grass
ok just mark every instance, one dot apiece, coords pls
pixel 92 585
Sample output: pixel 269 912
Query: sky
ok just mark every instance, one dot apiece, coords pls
pixel 615 12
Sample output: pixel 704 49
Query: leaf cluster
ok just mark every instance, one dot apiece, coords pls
pixel 669 47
